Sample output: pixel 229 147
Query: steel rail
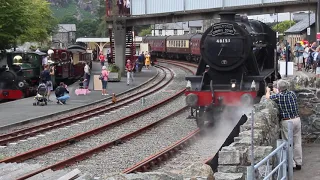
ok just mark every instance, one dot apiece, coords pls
pixel 163 155
pixel 65 142
pixel 36 152
pixel 34 130
pixel 86 154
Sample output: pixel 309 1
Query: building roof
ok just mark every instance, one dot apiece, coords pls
pixel 180 25
pixel 92 40
pixel 302 25
pixel 67 28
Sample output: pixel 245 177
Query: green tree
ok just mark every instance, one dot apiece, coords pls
pixel 69 20
pixel 283 26
pixel 145 32
pixel 24 20
pixel 87 28
pixel 41 21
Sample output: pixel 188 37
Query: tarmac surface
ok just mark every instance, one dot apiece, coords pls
pixel 311 163
pixel 311 152
pixel 22 110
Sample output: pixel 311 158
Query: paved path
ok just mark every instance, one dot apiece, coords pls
pixel 311 163
pixel 22 110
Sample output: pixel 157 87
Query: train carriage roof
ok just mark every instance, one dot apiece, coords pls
pixel 155 37
pixel 21 52
pixel 181 37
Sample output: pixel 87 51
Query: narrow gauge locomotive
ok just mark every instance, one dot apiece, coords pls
pixel 240 56
pixel 20 77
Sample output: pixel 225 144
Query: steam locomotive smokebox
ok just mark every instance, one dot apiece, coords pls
pixel 227 16
pixel 225 45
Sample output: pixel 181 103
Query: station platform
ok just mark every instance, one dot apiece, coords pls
pixel 22 111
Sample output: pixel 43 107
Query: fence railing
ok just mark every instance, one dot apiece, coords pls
pixel 283 169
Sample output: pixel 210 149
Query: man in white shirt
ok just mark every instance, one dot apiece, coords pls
pixel 87 75
pixel 128 7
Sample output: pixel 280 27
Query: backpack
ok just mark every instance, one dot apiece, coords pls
pixel 57 91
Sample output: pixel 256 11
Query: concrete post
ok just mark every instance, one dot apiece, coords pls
pixel 119 29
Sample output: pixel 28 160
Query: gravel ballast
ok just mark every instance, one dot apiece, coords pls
pixel 68 131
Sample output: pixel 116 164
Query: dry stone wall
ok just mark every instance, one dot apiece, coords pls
pixel 234 159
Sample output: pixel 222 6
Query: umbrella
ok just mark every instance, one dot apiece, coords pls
pixel 50 51
pixel 17 57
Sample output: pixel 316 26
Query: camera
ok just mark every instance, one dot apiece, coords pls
pixel 270 85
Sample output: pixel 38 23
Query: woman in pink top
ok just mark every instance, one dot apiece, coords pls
pixel 104 80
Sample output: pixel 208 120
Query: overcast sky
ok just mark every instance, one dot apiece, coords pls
pixel 272 18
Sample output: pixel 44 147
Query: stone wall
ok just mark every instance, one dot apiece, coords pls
pixel 234 159
pixel 308 93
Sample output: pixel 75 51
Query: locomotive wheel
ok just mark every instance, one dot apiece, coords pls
pixel 200 119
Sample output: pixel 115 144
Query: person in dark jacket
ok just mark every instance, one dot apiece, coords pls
pixel 62 94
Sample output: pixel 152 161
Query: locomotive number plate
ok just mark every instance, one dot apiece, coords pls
pixel 223 40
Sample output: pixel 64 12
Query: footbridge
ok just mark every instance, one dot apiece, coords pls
pixel 121 18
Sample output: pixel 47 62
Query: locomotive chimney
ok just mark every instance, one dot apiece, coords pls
pixel 227 16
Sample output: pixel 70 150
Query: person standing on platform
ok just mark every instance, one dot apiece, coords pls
pixel 102 58
pixel 52 73
pixel 147 63
pixel 87 75
pixel 316 59
pixel 299 55
pixel 288 108
pixel 129 69
pixel 104 80
pixel 45 76
pixel 128 7
pixel 120 4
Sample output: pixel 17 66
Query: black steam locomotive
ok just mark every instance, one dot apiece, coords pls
pixel 237 63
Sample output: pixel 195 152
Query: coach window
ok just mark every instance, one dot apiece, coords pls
pixel 160 31
pixel 184 44
pixel 175 31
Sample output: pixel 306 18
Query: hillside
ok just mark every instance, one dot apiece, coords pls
pixel 81 9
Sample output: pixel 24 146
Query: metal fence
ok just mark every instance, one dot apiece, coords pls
pixel 283 167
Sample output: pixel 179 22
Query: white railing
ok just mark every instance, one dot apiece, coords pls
pixel 283 169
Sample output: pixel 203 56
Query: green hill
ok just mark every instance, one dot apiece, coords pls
pixel 80 9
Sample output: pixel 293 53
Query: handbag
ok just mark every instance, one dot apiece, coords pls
pixel 101 77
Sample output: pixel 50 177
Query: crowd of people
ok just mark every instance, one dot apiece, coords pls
pixel 305 56
pixel 62 93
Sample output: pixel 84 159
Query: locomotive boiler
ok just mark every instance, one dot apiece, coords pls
pixel 237 62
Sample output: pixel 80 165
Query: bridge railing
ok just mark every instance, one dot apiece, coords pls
pixel 143 7
pixel 283 169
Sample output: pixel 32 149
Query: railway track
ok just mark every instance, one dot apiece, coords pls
pixel 110 106
pixel 87 138
pixel 18 128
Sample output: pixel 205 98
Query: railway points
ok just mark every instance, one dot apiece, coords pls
pixel 22 111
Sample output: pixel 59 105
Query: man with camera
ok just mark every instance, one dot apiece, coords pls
pixel 288 109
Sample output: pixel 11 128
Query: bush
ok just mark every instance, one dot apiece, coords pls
pixel 113 68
